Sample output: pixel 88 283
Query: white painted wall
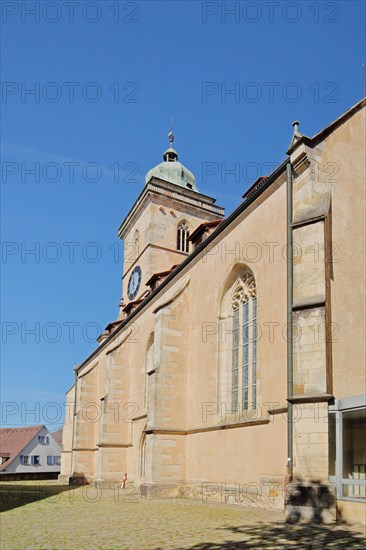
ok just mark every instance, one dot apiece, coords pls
pixel 36 448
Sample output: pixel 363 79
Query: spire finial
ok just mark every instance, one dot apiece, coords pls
pixel 296 136
pixel 170 154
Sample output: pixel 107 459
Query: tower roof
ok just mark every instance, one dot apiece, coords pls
pixel 171 170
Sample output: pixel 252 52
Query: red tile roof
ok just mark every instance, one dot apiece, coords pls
pixel 127 309
pixel 111 326
pixel 203 227
pixel 13 440
pixel 160 275
pixel 58 435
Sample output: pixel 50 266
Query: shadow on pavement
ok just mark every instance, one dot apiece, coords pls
pixel 276 536
pixel 15 495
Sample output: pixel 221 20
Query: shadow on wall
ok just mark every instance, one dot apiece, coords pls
pixel 287 536
pixel 78 478
pixel 313 502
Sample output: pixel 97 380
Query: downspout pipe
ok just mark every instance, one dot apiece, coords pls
pixel 74 421
pixel 289 319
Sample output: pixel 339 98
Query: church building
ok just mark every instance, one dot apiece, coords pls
pixel 237 361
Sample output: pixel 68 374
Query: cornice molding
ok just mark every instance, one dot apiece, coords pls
pixel 156 188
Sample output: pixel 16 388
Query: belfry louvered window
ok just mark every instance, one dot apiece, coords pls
pixel 244 345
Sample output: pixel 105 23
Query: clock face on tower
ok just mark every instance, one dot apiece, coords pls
pixel 134 283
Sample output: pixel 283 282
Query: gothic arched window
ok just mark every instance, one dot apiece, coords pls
pixel 136 243
pixel 244 344
pixel 182 236
pixel 149 366
pixel 142 465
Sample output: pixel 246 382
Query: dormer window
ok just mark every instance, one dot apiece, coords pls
pixel 182 236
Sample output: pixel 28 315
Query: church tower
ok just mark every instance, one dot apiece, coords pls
pixel 157 228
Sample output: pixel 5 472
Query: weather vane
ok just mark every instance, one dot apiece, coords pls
pixel 171 135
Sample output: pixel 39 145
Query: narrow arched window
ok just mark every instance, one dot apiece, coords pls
pixel 244 344
pixel 149 366
pixel 136 243
pixel 142 465
pixel 182 236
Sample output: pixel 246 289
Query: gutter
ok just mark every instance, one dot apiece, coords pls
pixel 223 225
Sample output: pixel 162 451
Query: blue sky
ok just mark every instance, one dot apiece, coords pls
pixel 106 80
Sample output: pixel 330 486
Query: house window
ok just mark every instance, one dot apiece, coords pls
pixel 182 236
pixel 347 449
pixel 244 345
pixel 41 439
pixel 47 440
pixel 54 460
pixel 24 459
pixel 36 460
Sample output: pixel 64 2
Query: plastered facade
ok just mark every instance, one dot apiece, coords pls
pixel 154 400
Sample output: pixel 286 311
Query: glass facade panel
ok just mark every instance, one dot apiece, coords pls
pixel 332 443
pixel 354 452
pixel 354 491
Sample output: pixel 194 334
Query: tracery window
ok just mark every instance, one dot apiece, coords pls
pixel 244 345
pixel 182 236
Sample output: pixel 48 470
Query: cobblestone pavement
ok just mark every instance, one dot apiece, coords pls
pixel 48 517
